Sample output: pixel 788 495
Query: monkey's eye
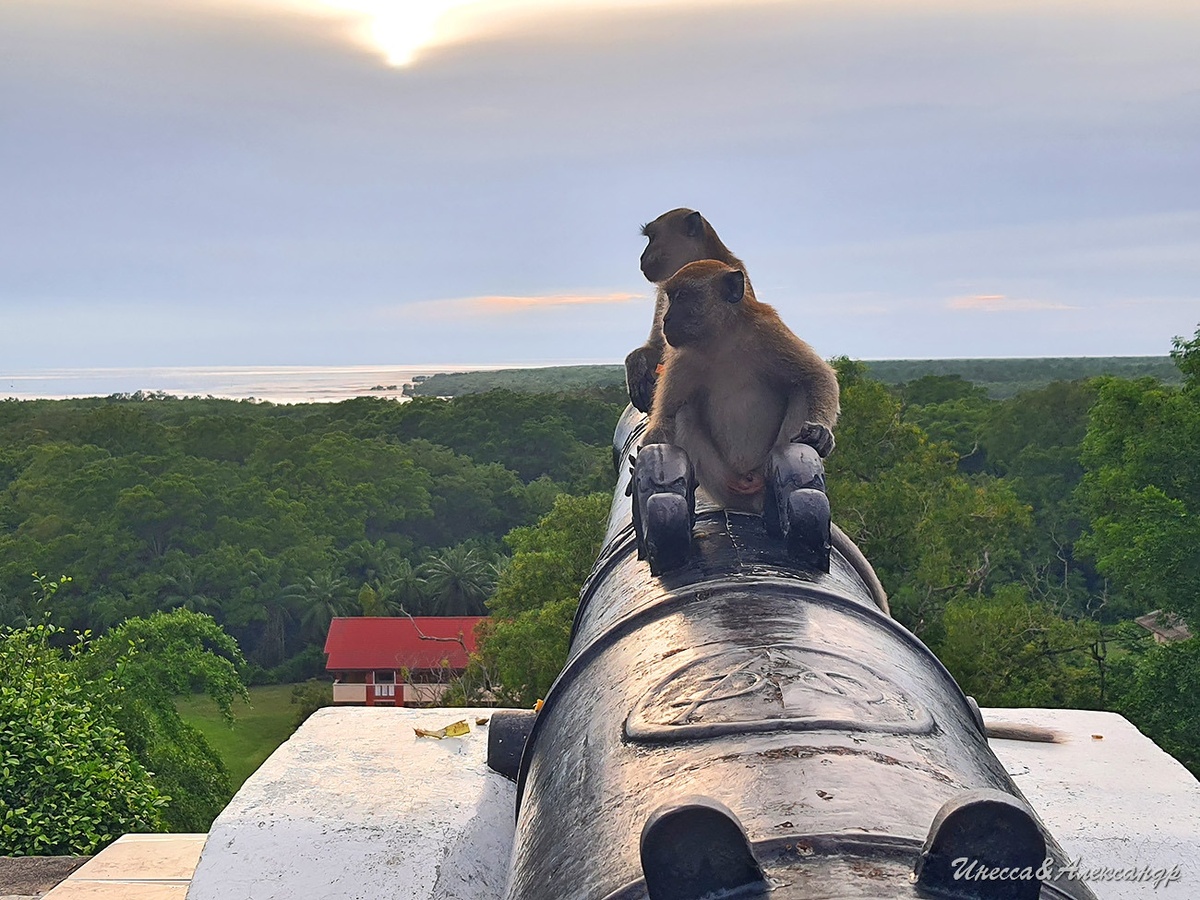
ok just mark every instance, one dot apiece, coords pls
pixel 683 295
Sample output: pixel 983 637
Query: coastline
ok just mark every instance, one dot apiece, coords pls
pixel 272 384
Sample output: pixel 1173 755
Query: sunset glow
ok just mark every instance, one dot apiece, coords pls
pixel 398 29
pixel 1001 303
pixel 502 305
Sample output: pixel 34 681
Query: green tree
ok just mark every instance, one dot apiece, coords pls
pixel 932 533
pixel 1034 441
pixel 459 581
pixel 950 409
pixel 1186 356
pixel 1142 487
pixel 525 645
pixel 1006 650
pixel 308 697
pixel 155 503
pixel 326 595
pixel 144 665
pixel 401 587
pixel 69 783
pixel 1158 689
pixel 178 588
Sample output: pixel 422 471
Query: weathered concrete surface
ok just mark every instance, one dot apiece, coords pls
pixel 356 807
pixel 135 867
pixel 1112 799
pixel 32 876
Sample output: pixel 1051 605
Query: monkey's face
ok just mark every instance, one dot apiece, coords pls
pixel 703 300
pixel 676 238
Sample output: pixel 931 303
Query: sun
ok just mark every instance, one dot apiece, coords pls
pixel 398 29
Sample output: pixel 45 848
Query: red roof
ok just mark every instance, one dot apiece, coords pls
pixel 422 642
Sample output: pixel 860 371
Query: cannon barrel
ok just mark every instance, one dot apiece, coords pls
pixel 744 726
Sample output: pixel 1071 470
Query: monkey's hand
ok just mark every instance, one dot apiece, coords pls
pixel 640 376
pixel 817 436
pixel 746 485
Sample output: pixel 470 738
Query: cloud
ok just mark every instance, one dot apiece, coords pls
pixel 504 305
pixel 1001 303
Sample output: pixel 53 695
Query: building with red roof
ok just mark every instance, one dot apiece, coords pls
pixel 400 661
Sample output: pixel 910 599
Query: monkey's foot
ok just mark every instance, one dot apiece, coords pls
pixel 664 506
pixel 817 436
pixel 795 506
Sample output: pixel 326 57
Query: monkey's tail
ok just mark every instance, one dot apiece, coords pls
pixel 861 565
pixel 1009 731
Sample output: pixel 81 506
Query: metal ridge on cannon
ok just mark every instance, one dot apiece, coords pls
pixel 745 721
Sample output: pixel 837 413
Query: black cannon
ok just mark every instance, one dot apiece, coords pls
pixel 746 725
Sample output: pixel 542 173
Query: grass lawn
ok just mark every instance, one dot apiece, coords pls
pixel 260 727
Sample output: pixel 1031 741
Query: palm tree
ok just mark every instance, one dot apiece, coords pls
pixel 179 589
pixel 460 579
pixel 400 587
pixel 280 615
pixel 325 595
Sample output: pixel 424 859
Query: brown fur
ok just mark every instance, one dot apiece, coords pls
pixel 1007 731
pixel 676 238
pixel 737 382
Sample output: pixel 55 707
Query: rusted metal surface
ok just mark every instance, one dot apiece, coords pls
pixel 743 685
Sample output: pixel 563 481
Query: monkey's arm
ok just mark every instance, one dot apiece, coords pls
pixel 812 408
pixel 802 426
pixel 641 366
pixel 641 375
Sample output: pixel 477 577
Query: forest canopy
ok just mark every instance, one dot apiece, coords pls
pixel 207 543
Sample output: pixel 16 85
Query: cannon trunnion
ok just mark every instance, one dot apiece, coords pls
pixel 741 726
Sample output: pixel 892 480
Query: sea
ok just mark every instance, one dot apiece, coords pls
pixel 274 384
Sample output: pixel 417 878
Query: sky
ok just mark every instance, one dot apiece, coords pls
pixel 302 182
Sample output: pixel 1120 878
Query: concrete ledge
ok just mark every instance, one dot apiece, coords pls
pixel 33 876
pixel 135 867
pixel 356 807
pixel 1111 797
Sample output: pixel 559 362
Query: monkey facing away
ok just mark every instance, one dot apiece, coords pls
pixel 675 239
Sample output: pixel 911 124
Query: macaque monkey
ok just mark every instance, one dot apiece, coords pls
pixel 736 384
pixel 676 238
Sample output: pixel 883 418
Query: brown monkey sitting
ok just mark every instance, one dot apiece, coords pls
pixel 676 238
pixel 736 385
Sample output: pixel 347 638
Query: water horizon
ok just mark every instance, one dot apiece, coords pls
pixel 272 384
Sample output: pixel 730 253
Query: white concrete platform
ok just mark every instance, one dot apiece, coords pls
pixel 135 867
pixel 1112 798
pixel 356 807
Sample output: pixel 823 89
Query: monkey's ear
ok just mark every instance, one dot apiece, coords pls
pixel 694 223
pixel 733 286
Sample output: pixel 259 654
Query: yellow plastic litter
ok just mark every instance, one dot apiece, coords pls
pixel 454 729
pixel 537 707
